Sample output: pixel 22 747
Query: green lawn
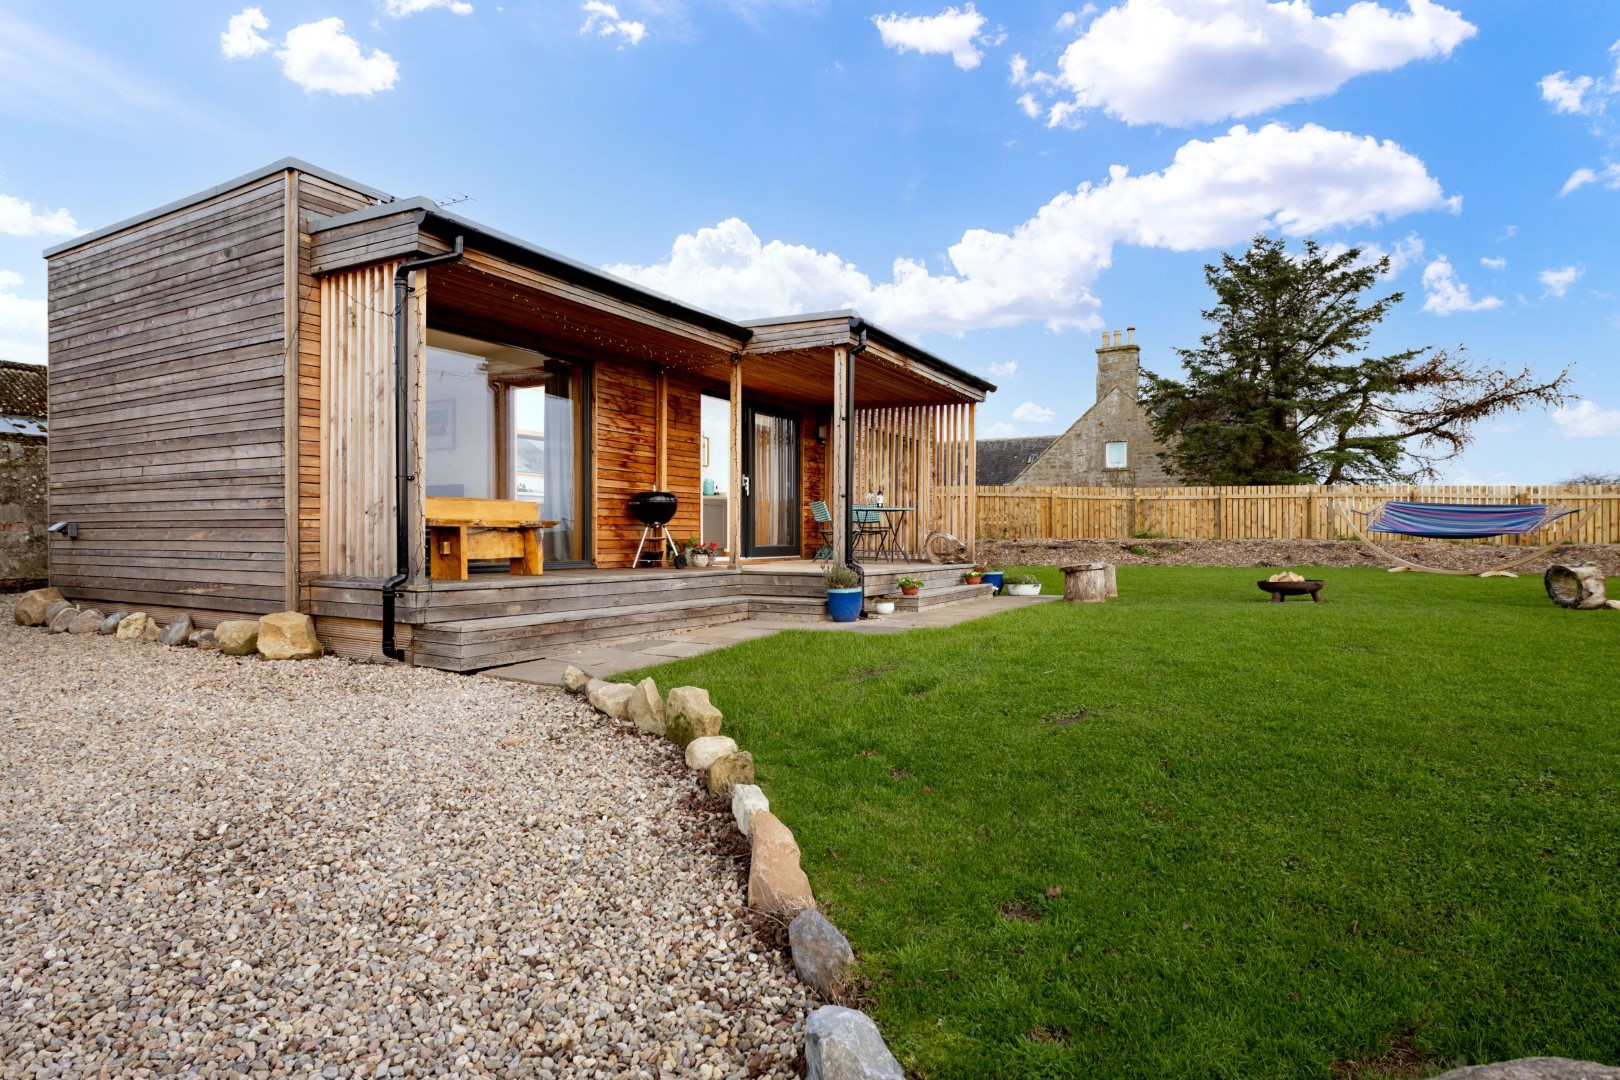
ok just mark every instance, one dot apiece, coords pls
pixel 1291 840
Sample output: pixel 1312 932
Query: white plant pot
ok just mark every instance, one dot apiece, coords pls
pixel 695 558
pixel 883 607
pixel 1024 590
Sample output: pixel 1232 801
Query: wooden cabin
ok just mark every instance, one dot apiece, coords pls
pixel 227 378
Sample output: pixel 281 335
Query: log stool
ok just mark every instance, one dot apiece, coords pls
pixel 1089 583
pixel 1580 587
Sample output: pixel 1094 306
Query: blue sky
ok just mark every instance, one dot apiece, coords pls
pixel 997 180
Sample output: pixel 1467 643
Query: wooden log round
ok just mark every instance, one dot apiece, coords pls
pixel 1089 583
pixel 1579 587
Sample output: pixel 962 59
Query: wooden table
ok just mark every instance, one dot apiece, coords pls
pixel 461 530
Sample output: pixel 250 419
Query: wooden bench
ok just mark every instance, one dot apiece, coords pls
pixel 461 530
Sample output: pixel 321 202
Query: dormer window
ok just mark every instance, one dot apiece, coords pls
pixel 1114 456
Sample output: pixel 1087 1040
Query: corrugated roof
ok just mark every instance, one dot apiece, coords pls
pixel 22 389
pixel 999 461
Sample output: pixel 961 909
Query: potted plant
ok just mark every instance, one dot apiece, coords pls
pixel 993 577
pixel 1023 585
pixel 701 554
pixel 883 605
pixel 844 593
pixel 975 575
pixel 910 585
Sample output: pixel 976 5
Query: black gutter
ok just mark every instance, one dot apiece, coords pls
pixel 857 327
pixel 402 448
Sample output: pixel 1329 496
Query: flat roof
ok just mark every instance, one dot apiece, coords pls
pixel 893 340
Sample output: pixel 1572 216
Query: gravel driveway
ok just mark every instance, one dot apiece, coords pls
pixel 211 864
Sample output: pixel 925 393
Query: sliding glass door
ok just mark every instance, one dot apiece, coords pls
pixel 770 483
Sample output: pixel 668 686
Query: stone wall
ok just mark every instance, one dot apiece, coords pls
pixel 1077 458
pixel 22 513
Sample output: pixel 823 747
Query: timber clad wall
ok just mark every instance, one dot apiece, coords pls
pixel 624 460
pixel 170 348
pixel 166 367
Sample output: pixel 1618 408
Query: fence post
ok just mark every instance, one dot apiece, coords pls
pixel 1220 515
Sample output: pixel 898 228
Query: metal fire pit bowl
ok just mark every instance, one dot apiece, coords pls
pixel 1282 590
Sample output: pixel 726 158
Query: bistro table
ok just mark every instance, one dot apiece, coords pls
pixel 884 523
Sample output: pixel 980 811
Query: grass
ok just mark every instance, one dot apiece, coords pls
pixel 1189 833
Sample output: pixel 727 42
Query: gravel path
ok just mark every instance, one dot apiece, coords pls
pixel 212 865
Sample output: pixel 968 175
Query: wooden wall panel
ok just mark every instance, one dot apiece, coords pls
pixel 167 361
pixel 624 455
pixel 316 198
pixel 812 477
pixel 357 423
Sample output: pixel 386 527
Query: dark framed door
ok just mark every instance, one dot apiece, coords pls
pixel 770 495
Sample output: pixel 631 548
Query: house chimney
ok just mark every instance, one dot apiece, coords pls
pixel 1119 364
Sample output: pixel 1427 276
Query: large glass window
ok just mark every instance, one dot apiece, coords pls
pixel 1114 455
pixel 504 423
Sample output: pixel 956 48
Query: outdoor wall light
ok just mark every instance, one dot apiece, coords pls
pixel 821 434
pixel 69 529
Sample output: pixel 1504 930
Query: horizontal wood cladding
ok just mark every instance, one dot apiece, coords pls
pixel 167 357
pixel 624 455
pixel 809 334
pixel 392 237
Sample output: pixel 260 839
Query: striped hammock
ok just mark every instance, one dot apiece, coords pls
pixel 1462 521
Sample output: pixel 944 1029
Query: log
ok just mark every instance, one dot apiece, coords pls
pixel 1579 587
pixel 1089 583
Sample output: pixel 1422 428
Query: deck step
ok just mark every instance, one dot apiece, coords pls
pixel 933 596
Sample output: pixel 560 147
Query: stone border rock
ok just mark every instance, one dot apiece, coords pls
pixel 282 635
pixel 840 1043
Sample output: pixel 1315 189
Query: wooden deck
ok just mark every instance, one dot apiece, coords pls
pixel 495 619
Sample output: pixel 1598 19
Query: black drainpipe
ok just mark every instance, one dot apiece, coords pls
pixel 402 449
pixel 859 327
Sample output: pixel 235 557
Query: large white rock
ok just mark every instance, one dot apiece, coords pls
pixel 574 680
pixel 611 698
pixel 688 715
pixel 701 753
pixel 844 1044
pixel 647 707
pixel 746 801
pixel 288 635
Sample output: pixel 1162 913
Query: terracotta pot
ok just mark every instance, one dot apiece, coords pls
pixel 910 590
pixel 973 579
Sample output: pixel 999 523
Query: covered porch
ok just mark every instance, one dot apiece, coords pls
pixel 527 378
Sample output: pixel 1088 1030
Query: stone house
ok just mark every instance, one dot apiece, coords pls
pixel 1112 444
pixel 22 475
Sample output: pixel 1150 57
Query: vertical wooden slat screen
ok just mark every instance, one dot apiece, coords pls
pixel 919 456
pixel 357 425
pixel 1302 512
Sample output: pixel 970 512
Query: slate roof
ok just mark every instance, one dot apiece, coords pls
pixel 22 397
pixel 999 461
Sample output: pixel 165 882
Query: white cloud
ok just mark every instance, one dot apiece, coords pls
pixel 1577 180
pixel 953 32
pixel 1609 178
pixel 1190 61
pixel 319 56
pixel 1446 295
pixel 400 9
pixel 241 38
pixel 1071 19
pixel 1405 252
pixel 1004 369
pixel 1000 430
pixel 1493 263
pixel 603 19
pixel 1580 95
pixel 22 322
pixel 1558 281
pixel 1031 413
pixel 1586 420
pixel 19 218
pixel 1216 192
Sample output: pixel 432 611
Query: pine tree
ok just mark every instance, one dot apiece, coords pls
pixel 1278 391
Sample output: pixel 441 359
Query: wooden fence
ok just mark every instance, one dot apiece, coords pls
pixel 1262 513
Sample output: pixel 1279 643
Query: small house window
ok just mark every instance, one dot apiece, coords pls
pixel 1114 455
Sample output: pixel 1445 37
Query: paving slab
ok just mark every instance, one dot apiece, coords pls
pixel 604 661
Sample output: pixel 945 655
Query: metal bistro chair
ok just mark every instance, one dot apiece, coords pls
pixel 871 532
pixel 823 517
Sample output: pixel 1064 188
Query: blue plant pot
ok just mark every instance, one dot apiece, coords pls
pixel 844 605
pixel 993 577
